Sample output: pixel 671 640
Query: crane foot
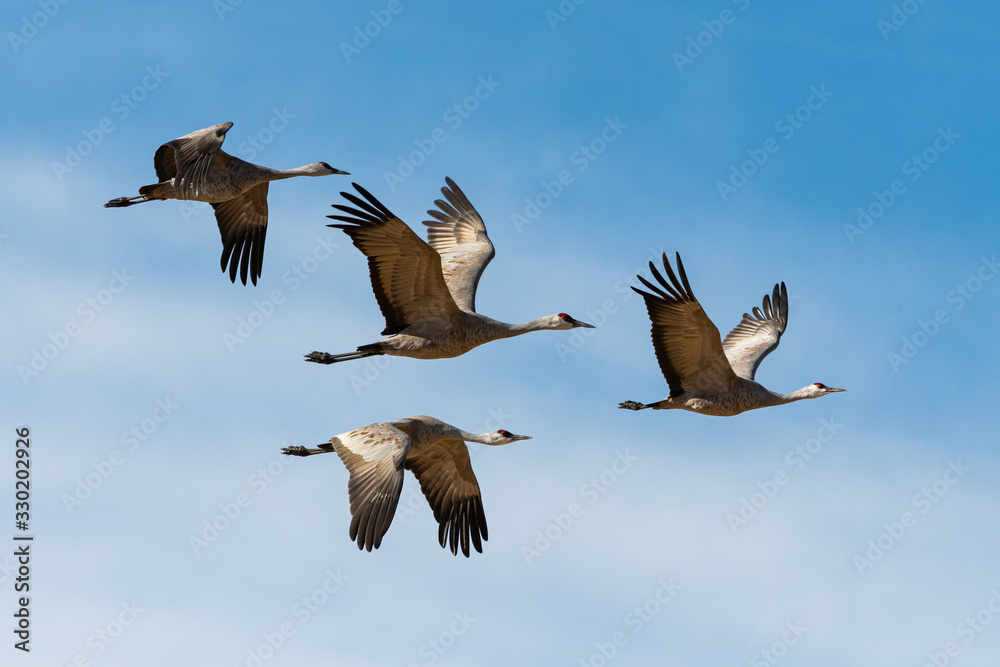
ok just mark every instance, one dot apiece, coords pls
pixel 321 357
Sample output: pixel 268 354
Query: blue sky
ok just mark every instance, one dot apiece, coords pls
pixel 847 151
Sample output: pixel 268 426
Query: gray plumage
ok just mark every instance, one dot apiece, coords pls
pixel 427 291
pixel 194 167
pixel 706 374
pixel 436 453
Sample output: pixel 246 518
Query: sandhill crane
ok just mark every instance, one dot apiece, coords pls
pixel 194 167
pixel 427 292
pixel 376 455
pixel 706 374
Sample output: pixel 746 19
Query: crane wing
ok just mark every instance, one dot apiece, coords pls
pixel 459 235
pixel 243 226
pixel 687 345
pixel 446 478
pixel 188 160
pixel 374 456
pixel 757 335
pixel 405 271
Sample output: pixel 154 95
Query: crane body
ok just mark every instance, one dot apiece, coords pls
pixel 706 374
pixel 427 291
pixel 194 167
pixel 376 456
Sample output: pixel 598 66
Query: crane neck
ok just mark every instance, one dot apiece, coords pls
pixel 540 324
pixel 797 395
pixel 281 174
pixel 481 438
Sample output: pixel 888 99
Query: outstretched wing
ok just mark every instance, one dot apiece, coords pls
pixel 374 456
pixel 757 335
pixel 446 478
pixel 405 271
pixel 687 344
pixel 243 226
pixel 188 159
pixel 459 235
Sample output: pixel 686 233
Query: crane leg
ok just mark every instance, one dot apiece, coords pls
pixel 119 202
pixel 327 358
pixel 299 450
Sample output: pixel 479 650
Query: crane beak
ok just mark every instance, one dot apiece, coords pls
pixel 833 389
pixel 520 437
pixel 334 170
pixel 578 323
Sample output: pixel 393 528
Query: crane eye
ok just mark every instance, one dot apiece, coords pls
pixel 819 384
pixel 504 433
pixel 564 316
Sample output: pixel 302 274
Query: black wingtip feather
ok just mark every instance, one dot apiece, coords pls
pixel 671 289
pixel 677 286
pixel 364 212
pixel 659 292
pixel 684 278
pixel 372 200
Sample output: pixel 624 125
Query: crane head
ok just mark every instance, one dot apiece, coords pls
pixel 567 322
pixel 323 169
pixel 821 389
pixel 502 437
